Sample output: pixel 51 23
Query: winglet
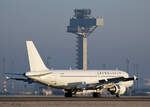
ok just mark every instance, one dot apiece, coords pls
pixel 135 78
pixel 7 78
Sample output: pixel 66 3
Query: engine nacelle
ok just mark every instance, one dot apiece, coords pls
pixel 117 90
pixel 82 86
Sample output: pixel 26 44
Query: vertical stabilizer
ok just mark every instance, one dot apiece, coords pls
pixel 35 61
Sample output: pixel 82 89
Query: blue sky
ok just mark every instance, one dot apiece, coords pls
pixel 126 33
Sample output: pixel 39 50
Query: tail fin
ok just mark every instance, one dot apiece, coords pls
pixel 35 61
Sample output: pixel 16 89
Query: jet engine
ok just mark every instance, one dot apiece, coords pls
pixel 117 90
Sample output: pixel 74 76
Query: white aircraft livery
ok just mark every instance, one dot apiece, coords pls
pixel 73 81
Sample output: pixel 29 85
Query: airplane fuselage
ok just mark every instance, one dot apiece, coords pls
pixel 67 79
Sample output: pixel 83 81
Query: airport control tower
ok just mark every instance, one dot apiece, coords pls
pixel 83 24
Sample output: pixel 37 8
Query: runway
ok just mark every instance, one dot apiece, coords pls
pixel 60 101
pixel 61 98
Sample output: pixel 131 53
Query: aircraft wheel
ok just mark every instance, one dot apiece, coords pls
pixel 117 95
pixel 68 94
pixel 95 94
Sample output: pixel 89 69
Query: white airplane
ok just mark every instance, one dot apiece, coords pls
pixel 73 81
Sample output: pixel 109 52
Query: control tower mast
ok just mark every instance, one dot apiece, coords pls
pixel 83 24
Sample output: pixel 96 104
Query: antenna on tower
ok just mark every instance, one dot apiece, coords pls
pixel 127 64
pixel 4 90
pixel 49 62
pixel 12 81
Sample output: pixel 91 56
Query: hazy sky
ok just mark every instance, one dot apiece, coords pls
pixel 126 33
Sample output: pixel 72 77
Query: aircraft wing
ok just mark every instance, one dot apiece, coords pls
pixel 14 76
pixel 102 84
pixel 108 83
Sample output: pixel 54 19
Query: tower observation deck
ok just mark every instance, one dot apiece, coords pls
pixel 83 24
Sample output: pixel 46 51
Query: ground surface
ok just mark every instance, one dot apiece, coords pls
pixel 40 101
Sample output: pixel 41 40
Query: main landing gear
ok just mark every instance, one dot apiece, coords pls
pixel 117 95
pixel 96 94
pixel 68 93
